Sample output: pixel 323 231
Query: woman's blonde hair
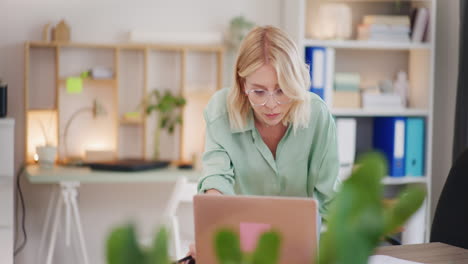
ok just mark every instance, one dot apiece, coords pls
pixel 270 45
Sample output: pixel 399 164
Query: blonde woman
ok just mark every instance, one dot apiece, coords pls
pixel 268 135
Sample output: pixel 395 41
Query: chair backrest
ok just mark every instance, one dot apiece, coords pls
pixel 183 193
pixel 450 224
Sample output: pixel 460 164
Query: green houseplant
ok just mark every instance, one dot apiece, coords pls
pixel 357 221
pixel 165 105
pixel 122 247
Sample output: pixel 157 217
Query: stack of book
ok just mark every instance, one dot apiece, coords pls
pixel 385 28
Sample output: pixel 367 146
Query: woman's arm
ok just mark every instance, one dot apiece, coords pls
pixel 218 171
pixel 323 175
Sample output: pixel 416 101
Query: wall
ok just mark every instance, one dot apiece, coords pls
pixel 103 205
pixel 445 93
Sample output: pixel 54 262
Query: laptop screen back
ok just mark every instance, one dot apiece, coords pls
pixel 249 216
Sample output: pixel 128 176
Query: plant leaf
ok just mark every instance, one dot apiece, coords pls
pixel 159 252
pixel 407 204
pixel 122 247
pixel 227 247
pixel 268 249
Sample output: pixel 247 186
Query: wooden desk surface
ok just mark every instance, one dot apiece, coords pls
pixel 431 253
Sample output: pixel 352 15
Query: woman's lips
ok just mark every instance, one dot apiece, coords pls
pixel 272 116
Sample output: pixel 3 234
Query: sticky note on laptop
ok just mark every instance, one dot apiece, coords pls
pixel 250 233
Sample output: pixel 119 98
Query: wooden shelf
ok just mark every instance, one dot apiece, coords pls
pixel 360 44
pixel 128 46
pixel 373 1
pixel 127 122
pixel 94 82
pixel 378 112
pixel 404 180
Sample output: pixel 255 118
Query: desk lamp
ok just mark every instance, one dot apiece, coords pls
pixel 97 110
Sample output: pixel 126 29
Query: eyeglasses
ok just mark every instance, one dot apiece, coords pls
pixel 259 97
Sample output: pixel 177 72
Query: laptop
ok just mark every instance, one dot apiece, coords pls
pixel 127 165
pixel 249 216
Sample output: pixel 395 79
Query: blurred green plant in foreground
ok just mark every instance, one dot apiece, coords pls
pixel 123 248
pixel 358 220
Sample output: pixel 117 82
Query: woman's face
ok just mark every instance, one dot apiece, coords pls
pixel 263 83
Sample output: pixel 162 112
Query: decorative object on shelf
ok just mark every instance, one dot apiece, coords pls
pixel 122 247
pixel 334 21
pixel 238 27
pixel 61 32
pixel 46 33
pixel 3 99
pixel 97 110
pixel 384 28
pixel 47 153
pixel 358 219
pixel 166 106
pixel 400 87
pixel 100 73
pixel 46 156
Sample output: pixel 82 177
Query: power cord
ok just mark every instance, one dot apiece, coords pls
pixel 23 217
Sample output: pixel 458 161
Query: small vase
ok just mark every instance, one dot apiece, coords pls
pixel 46 155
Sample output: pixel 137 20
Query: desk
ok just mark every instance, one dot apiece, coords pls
pixel 69 180
pixel 431 253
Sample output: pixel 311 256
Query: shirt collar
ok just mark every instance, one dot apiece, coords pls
pixel 250 124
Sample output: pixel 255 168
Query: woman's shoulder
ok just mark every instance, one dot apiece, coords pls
pixel 317 105
pixel 217 106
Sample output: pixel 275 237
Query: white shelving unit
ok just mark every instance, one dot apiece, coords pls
pixel 376 61
pixel 7 127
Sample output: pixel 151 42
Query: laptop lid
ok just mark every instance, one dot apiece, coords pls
pixel 249 216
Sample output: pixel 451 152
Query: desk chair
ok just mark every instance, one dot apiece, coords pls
pixel 182 194
pixel 450 224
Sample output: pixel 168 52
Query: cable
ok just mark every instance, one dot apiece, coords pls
pixel 23 209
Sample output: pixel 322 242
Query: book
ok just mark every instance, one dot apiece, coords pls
pixel 386 19
pixel 415 137
pixel 346 137
pixel 389 138
pixel 420 22
pixel 321 66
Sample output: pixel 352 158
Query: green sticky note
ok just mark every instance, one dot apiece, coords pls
pixel 74 85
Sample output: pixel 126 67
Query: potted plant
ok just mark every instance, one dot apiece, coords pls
pixel 165 105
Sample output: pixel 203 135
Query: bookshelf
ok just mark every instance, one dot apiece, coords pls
pixel 187 70
pixel 374 61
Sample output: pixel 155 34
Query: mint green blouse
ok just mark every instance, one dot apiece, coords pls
pixel 239 162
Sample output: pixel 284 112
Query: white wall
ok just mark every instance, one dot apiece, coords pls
pixel 103 205
pixel 445 92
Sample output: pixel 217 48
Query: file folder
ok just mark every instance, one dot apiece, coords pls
pixel 315 57
pixel 414 151
pixel 389 138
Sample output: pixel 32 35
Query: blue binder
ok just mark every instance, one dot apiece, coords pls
pixel 315 57
pixel 389 138
pixel 414 152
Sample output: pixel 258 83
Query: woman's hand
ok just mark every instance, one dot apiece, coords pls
pixel 193 253
pixel 213 191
